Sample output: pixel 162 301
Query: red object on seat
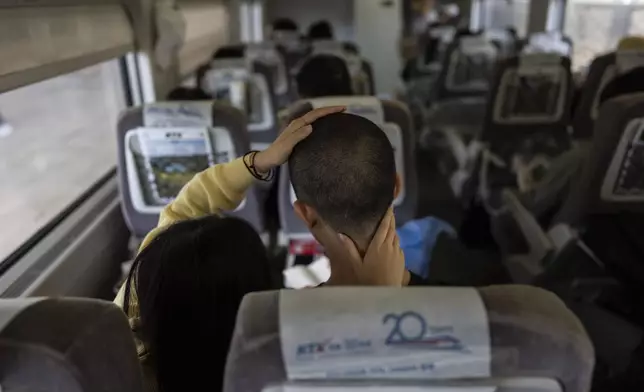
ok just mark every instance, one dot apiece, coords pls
pixel 305 248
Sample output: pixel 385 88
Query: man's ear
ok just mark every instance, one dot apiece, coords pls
pixel 397 186
pixel 308 215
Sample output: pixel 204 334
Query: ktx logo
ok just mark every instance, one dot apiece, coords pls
pixel 318 348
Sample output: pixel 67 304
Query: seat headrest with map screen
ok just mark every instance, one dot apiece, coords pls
pixel 71 345
pixel 496 338
pixel 611 180
pixel 161 146
pixel 467 68
pixel 248 86
pixel 532 95
pixel 603 70
pixel 395 120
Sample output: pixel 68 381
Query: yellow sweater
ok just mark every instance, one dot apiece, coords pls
pixel 219 188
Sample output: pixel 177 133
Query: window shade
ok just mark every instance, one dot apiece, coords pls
pixel 206 30
pixel 38 43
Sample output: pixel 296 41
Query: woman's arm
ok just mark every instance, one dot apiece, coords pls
pixel 219 188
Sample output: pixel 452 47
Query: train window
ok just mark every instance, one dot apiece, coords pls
pixel 58 139
pixel 596 26
pixel 500 14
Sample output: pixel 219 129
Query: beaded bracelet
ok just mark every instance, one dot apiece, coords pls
pixel 249 161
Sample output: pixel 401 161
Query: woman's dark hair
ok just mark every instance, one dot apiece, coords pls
pixel 230 52
pixel 629 83
pixel 285 24
pixel 188 94
pixel 324 75
pixel 190 281
pixel 320 31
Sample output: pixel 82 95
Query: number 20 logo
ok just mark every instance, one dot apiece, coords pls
pixel 407 327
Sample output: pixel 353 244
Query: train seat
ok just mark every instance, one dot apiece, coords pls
pixel 247 85
pixel 395 120
pixel 505 40
pixel 266 53
pixel 462 87
pixel 526 123
pixel 603 202
pixel 550 193
pixel 149 140
pixel 496 338
pixel 72 345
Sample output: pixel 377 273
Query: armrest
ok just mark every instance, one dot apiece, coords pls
pixel 538 242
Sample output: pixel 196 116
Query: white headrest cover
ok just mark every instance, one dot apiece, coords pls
pixel 538 61
pixel 549 43
pixel 367 107
pixel 328 46
pixel 477 44
pixel 445 33
pixel 384 333
pixel 229 63
pixel 197 114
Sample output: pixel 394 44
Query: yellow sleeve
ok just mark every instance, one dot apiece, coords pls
pixel 219 188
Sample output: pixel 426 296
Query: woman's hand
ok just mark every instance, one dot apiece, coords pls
pixel 278 152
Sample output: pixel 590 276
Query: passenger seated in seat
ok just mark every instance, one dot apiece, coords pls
pixel 324 76
pixel 344 177
pixel 285 24
pixel 184 288
pixel 321 76
pixel 190 281
pixel 230 52
pixel 321 30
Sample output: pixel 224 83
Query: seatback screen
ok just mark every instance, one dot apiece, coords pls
pixel 624 180
pixel 171 158
pixel 533 96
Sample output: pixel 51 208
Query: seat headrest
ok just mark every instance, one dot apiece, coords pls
pixel 534 90
pixel 549 42
pixel 228 63
pixel 162 145
pixel 367 107
pixel 399 333
pixel 467 68
pixel 328 46
pixel 67 344
pixel 177 114
pixel 427 338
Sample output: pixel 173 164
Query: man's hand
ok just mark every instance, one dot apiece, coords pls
pixel 278 152
pixel 384 262
pixel 382 265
